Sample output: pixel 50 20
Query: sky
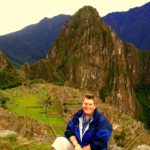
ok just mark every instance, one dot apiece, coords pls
pixel 17 14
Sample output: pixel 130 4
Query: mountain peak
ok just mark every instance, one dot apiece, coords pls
pixel 87 12
pixel 82 31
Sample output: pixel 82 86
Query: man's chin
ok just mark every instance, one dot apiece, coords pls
pixel 88 113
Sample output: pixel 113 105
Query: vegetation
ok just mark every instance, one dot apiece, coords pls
pixel 143 97
pixel 12 142
pixel 119 138
pixel 9 79
pixel 142 88
pixel 3 101
pixel 107 88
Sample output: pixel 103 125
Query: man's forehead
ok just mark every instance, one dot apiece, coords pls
pixel 88 100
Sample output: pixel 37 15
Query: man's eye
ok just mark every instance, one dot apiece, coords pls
pixel 87 104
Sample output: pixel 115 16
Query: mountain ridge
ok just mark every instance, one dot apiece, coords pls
pixel 135 22
pixel 31 43
pixel 35 47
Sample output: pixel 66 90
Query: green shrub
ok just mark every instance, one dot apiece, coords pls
pixel 9 79
pixel 9 142
pixel 119 138
pixel 3 101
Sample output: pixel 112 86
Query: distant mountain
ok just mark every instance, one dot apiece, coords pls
pixel 32 43
pixel 132 26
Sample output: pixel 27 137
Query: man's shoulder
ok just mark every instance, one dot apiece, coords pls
pixel 100 117
pixel 78 114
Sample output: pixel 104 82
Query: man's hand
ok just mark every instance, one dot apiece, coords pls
pixel 78 147
pixel 87 147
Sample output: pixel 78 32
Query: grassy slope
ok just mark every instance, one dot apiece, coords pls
pixel 29 102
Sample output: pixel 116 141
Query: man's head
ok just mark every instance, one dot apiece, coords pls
pixel 89 104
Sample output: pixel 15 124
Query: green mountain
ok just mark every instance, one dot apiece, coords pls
pixel 89 55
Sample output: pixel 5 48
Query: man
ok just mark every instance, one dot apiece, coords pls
pixel 87 130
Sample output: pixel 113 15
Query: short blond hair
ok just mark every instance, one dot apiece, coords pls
pixel 90 96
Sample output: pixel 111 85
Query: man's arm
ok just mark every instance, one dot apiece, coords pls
pixel 102 136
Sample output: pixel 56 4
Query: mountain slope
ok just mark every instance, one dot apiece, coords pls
pixel 31 43
pixel 132 26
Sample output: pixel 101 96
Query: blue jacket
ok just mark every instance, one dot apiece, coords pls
pixel 97 135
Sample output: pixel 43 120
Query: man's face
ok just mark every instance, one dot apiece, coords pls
pixel 88 106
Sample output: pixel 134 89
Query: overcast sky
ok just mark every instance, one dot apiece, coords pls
pixel 17 14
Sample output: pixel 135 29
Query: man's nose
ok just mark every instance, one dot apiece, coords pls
pixel 88 105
